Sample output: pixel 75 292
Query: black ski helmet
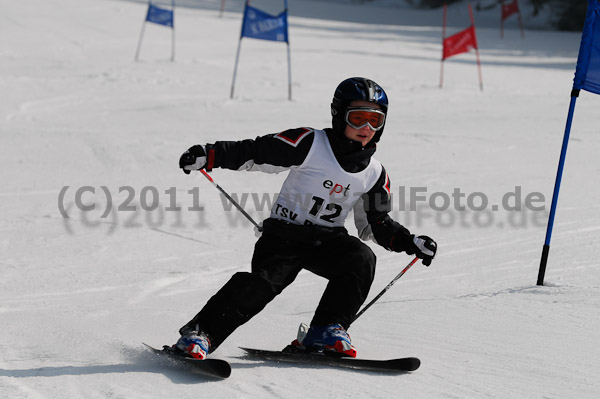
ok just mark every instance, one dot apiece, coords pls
pixel 353 89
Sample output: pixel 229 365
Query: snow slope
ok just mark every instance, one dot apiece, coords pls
pixel 78 295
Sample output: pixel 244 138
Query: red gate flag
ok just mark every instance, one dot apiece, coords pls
pixel 460 42
pixel 510 9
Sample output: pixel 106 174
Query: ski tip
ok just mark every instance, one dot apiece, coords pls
pixel 412 363
pixel 217 368
pixel 149 347
pixel 249 350
pixel 225 371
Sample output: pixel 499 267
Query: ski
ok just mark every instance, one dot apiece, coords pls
pixel 209 367
pixel 400 365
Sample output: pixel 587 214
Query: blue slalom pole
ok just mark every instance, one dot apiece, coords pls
pixel 561 164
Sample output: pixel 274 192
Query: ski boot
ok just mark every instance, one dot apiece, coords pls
pixel 331 338
pixel 195 344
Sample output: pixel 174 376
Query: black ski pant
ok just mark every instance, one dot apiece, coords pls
pixel 282 251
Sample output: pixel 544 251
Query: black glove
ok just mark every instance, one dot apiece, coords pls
pixel 424 248
pixel 193 159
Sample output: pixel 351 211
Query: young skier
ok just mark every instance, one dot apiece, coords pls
pixel 331 171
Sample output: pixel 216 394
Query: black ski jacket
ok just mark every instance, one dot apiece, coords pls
pixel 273 154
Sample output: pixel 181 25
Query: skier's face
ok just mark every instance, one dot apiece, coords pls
pixel 365 133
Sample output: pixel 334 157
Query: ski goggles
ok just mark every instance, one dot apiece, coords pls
pixel 359 117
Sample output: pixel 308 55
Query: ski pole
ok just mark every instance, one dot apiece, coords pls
pixel 230 199
pixel 387 287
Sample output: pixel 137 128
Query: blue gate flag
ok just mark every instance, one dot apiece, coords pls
pixel 587 77
pixel 587 73
pixel 159 15
pixel 258 24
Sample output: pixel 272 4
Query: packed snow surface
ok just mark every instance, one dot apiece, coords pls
pixel 83 126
